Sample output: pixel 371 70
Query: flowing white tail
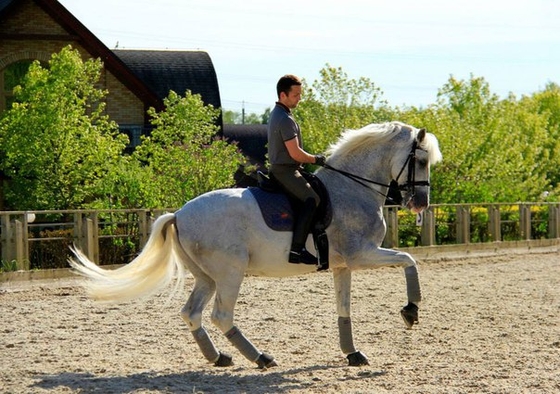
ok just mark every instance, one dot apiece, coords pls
pixel 152 270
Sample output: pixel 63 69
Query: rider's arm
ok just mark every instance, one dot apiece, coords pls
pixel 298 154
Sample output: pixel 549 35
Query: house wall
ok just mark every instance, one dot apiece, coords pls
pixel 20 39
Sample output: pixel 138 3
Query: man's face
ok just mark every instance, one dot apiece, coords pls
pixel 291 100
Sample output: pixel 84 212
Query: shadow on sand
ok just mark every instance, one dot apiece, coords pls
pixel 220 381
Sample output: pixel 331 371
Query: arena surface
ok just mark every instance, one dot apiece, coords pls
pixel 488 324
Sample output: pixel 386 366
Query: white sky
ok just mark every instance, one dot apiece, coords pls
pixel 408 48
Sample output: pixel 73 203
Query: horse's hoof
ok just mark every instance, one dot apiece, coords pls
pixel 410 315
pixel 225 360
pixel 357 359
pixel 266 361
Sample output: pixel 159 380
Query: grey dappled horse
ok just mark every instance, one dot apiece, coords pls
pixel 221 236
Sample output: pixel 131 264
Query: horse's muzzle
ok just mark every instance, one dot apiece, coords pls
pixel 417 202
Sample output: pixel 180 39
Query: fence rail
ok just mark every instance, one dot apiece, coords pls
pixel 445 224
pixel 41 239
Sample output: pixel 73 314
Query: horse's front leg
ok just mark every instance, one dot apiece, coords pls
pixel 376 257
pixel 342 286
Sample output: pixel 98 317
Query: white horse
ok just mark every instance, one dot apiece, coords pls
pixel 221 237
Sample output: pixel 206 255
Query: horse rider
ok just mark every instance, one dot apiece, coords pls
pixel 286 157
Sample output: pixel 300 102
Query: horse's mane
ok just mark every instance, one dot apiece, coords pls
pixel 431 145
pixel 377 133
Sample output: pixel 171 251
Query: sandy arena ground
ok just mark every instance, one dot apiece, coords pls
pixel 489 324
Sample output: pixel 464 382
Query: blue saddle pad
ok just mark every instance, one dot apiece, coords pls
pixel 275 208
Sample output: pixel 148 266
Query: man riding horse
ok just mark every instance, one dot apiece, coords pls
pixel 286 156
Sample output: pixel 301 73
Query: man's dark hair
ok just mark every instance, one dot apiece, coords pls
pixel 286 82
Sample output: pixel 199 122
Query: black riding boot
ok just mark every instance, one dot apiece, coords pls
pixel 302 227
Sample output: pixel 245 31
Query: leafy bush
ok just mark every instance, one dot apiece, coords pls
pixel 8 266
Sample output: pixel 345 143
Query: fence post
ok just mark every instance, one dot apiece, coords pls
pixel 427 234
pixel 525 221
pixel 494 223
pixel 78 232
pixel 143 228
pixel 22 258
pixel 6 238
pixel 14 242
pixel 463 225
pixel 88 246
pixel 554 221
pixel 95 220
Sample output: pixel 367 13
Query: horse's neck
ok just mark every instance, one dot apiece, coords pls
pixel 373 166
pixel 344 190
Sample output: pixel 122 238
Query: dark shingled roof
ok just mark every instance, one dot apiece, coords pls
pixel 251 140
pixel 163 71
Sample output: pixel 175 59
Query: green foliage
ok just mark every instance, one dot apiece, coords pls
pixel 182 157
pixel 59 150
pixel 546 105
pixel 14 74
pixel 127 185
pixel 494 150
pixel 336 103
pixel 232 117
pixel 8 266
pixel 56 144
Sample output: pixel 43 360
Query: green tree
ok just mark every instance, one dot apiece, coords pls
pixel 546 104
pixel 488 145
pixel 182 156
pixel 233 117
pixel 56 143
pixel 335 103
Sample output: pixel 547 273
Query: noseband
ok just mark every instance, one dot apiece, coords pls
pixel 410 183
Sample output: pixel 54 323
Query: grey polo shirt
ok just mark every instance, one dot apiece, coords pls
pixel 281 127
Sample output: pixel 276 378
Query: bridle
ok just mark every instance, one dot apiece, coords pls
pixel 410 183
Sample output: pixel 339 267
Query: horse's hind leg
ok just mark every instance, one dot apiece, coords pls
pixel 191 313
pixel 222 317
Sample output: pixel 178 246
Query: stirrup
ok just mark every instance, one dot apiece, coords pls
pixel 302 257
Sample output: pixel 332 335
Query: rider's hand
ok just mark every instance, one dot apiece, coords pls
pixel 320 160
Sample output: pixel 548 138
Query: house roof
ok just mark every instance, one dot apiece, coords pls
pixel 179 71
pixel 148 74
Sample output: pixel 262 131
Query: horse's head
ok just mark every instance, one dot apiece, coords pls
pixel 413 177
pixel 408 151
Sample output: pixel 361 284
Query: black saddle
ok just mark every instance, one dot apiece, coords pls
pixel 279 209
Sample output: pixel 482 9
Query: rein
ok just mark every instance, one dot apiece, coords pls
pixel 410 182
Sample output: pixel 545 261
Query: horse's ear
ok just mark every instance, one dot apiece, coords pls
pixel 421 134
